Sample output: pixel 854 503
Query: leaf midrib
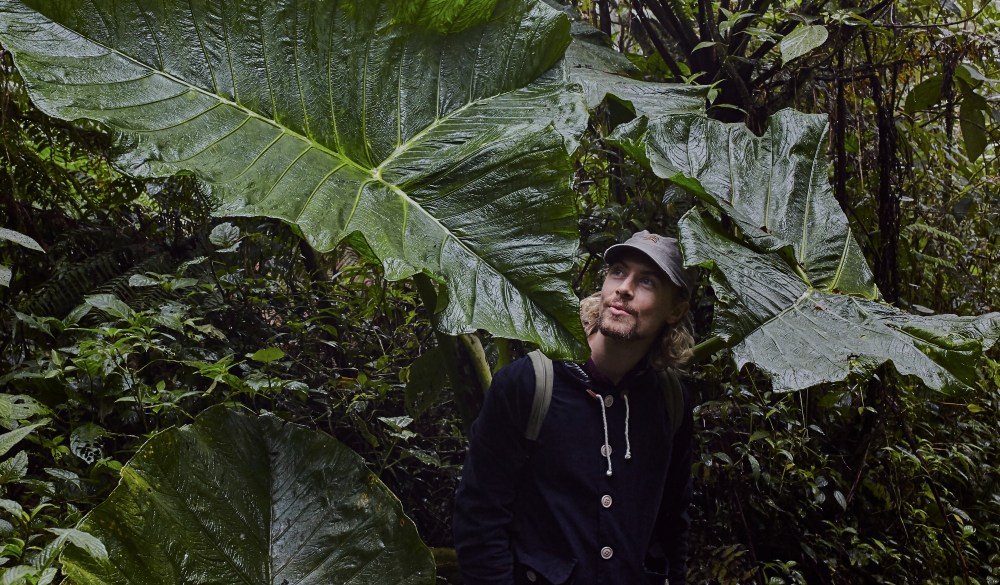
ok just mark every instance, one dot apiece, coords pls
pixel 375 173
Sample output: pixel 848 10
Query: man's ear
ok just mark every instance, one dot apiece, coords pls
pixel 680 309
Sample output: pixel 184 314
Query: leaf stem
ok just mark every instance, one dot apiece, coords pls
pixel 706 348
pixel 477 357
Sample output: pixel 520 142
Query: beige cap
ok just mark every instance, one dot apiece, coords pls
pixel 663 251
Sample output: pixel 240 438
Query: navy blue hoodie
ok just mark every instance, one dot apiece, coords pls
pixel 547 511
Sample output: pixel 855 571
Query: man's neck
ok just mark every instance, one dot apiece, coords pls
pixel 614 357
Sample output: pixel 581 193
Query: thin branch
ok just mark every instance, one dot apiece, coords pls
pixel 654 37
pixel 940 24
pixel 604 20
pixel 705 20
pixel 740 41
pixel 681 30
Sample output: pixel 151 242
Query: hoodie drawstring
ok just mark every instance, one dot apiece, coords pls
pixel 606 449
pixel 628 444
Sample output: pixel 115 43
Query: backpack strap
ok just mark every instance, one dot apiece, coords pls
pixel 543 394
pixel 674 395
pixel 542 365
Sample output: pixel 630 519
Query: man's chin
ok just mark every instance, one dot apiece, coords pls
pixel 622 333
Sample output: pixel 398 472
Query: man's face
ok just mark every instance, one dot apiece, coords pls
pixel 638 300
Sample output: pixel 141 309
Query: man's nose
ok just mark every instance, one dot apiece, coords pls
pixel 625 286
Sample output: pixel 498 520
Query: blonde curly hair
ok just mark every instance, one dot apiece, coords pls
pixel 671 351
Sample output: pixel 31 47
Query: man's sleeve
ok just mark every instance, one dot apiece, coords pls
pixel 484 502
pixel 673 524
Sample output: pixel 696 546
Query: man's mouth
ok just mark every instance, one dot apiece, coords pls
pixel 619 310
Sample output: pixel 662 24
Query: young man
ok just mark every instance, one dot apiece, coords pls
pixel 601 496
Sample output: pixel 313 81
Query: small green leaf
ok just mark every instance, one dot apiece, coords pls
pixel 267 355
pixel 802 40
pixel 111 305
pixel 924 95
pixel 141 280
pixel 15 407
pixel 5 275
pixel 969 72
pixel 88 542
pixel 397 423
pixel 973 124
pixel 21 239
pixel 427 379
pixel 48 576
pixel 974 408
pixel 224 235
pixel 85 442
pixel 17 575
pixel 837 495
pixel 754 466
pixel 14 468
pixel 9 439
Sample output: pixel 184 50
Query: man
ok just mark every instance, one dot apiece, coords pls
pixel 601 496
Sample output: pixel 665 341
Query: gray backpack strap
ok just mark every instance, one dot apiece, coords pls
pixel 543 394
pixel 674 398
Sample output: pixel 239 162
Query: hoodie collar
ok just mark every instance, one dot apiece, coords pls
pixel 589 375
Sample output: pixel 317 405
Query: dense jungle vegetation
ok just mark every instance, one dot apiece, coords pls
pixel 138 294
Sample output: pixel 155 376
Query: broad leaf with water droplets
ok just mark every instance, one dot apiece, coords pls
pixel 796 296
pixel 240 498
pixel 441 137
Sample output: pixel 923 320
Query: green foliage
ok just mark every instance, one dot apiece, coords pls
pixel 28 519
pixel 237 497
pixel 242 326
pixel 845 484
pixel 801 41
pixel 21 240
pixel 141 314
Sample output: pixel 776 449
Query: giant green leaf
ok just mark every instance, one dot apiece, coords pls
pixel 438 134
pixel 240 498
pixel 603 72
pixel 800 336
pixel 775 187
pixel 796 295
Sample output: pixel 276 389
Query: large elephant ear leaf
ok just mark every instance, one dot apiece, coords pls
pixel 605 73
pixel 436 136
pixel 240 498
pixel 801 336
pixel 796 295
pixel 775 188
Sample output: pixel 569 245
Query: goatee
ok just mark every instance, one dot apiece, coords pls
pixel 613 329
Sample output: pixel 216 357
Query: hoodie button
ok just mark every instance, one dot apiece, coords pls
pixel 607 553
pixel 606 501
pixel 608 401
pixel 531 576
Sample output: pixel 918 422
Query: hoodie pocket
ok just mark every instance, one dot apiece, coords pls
pixel 540 567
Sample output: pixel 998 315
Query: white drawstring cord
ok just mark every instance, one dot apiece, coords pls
pixel 628 444
pixel 606 450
